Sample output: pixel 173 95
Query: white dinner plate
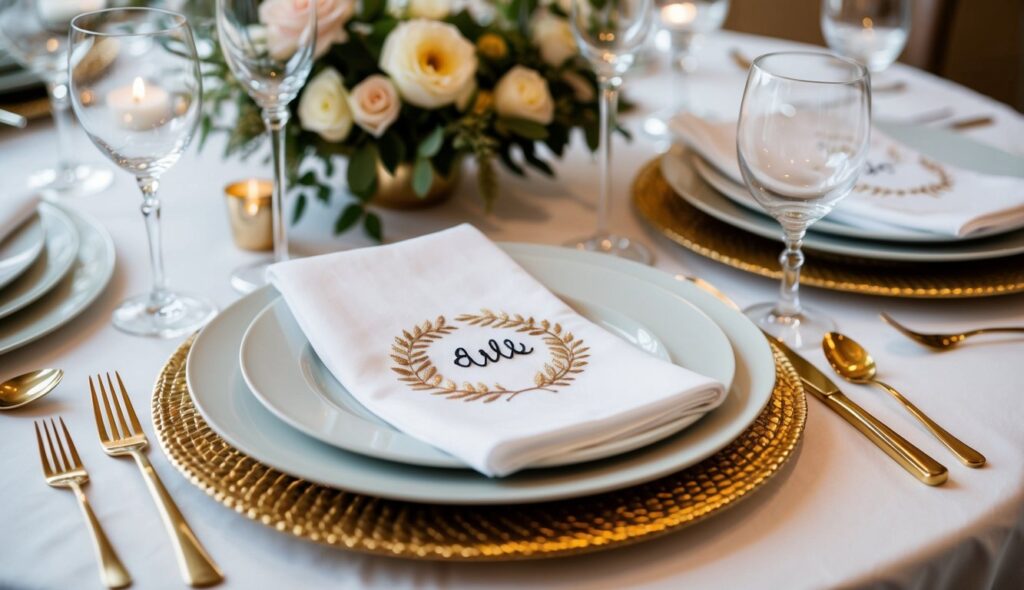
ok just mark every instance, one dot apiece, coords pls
pixel 52 265
pixel 92 269
pixel 679 172
pixel 222 397
pixel 286 375
pixel 21 248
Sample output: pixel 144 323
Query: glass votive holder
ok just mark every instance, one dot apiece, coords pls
pixel 249 212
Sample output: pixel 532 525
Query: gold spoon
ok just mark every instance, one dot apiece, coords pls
pixel 23 389
pixel 853 363
pixel 946 341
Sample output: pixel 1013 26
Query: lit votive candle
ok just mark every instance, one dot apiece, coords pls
pixel 250 213
pixel 140 106
pixel 62 11
pixel 678 14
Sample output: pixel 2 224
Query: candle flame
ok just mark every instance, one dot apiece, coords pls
pixel 252 189
pixel 138 90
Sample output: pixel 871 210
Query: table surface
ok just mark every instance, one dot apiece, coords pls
pixel 841 513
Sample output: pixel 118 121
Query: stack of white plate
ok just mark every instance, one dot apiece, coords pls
pixel 701 185
pixel 51 268
pixel 258 383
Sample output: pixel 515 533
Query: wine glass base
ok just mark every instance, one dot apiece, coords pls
pixel 802 331
pixel 247 279
pixel 171 315
pixel 89 180
pixel 614 245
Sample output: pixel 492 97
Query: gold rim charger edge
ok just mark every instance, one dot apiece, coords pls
pixel 684 224
pixel 475 533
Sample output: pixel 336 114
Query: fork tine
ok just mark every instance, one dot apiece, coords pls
pixel 128 405
pixel 114 435
pixel 42 453
pixel 71 444
pixel 60 445
pixel 117 405
pixel 96 413
pixel 57 467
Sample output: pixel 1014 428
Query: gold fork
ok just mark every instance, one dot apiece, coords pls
pixel 946 341
pixel 195 564
pixel 61 473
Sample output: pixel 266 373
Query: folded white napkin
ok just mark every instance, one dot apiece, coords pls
pixel 899 187
pixel 449 340
pixel 14 211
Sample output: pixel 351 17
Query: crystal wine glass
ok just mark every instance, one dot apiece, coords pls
pixel 272 64
pixel 35 33
pixel 802 141
pixel 609 34
pixel 873 32
pixel 136 88
pixel 683 26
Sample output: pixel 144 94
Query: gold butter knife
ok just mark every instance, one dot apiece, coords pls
pixel 911 458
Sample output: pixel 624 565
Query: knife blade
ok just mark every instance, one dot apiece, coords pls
pixel 914 460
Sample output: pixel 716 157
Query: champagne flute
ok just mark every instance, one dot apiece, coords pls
pixel 802 141
pixel 272 64
pixel 609 34
pixel 35 33
pixel 136 89
pixel 872 32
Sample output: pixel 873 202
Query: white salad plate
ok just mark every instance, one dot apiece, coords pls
pixel 59 254
pixel 221 395
pixel 91 271
pixel 286 375
pixel 21 248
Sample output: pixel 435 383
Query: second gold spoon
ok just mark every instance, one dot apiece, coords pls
pixel 853 363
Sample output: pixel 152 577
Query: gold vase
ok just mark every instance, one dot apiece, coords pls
pixel 395 191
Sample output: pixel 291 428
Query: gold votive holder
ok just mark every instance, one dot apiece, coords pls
pixel 250 214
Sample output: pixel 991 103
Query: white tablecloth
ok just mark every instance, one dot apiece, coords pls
pixel 841 514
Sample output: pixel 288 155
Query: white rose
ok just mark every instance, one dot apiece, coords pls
pixel 435 9
pixel 323 107
pixel 375 104
pixel 553 36
pixel 522 93
pixel 429 61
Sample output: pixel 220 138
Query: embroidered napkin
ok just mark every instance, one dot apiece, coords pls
pixel 14 211
pixel 898 188
pixel 449 340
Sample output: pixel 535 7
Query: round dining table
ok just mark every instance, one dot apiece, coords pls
pixel 840 514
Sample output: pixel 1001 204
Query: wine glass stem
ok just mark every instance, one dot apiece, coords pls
pixel 276 119
pixel 151 214
pixel 792 259
pixel 608 107
pixel 60 105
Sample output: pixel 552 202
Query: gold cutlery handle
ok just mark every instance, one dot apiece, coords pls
pixel 911 458
pixel 195 564
pixel 967 455
pixel 112 571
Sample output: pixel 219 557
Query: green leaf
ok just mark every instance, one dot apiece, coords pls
pixel 524 128
pixel 349 216
pixel 392 151
pixel 204 130
pixel 299 209
pixel 362 171
pixel 323 193
pixel 370 9
pixel 432 144
pixel 372 226
pixel 307 179
pixel 422 177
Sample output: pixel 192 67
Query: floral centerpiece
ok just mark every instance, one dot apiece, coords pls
pixel 419 86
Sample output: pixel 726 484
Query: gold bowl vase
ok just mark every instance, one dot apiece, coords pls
pixel 395 191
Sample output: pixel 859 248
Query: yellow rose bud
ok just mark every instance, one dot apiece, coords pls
pixel 484 102
pixel 492 46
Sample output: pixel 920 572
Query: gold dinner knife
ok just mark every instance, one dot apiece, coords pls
pixel 911 458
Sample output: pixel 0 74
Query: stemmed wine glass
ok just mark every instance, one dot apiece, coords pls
pixel 35 33
pixel 272 64
pixel 802 141
pixel 873 32
pixel 609 34
pixel 136 88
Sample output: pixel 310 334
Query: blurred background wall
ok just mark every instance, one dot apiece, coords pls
pixel 978 43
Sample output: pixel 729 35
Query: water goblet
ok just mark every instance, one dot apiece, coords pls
pixel 609 34
pixel 872 32
pixel 272 64
pixel 35 33
pixel 802 141
pixel 135 87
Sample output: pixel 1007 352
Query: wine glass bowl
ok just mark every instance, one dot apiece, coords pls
pixel 872 32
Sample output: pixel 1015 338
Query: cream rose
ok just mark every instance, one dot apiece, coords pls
pixel 429 61
pixel 375 104
pixel 522 93
pixel 285 21
pixel 553 36
pixel 323 106
pixel 435 9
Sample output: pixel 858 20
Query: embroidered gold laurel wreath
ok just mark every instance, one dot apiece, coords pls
pixel 413 365
pixel 943 183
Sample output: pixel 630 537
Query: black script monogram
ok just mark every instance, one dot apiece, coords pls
pixel 495 354
pixel 877 168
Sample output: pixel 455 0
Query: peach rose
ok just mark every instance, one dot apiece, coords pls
pixel 285 21
pixel 375 104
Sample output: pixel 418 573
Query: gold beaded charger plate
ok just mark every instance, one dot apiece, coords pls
pixel 684 224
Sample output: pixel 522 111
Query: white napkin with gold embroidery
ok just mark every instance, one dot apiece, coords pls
pixel 14 211
pixel 449 340
pixel 899 188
